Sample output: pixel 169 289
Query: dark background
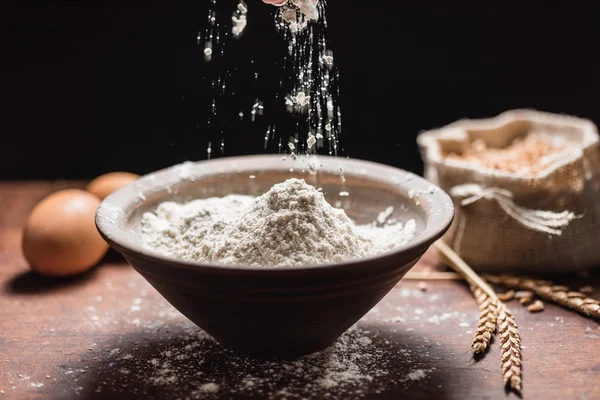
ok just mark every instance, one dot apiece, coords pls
pixel 91 87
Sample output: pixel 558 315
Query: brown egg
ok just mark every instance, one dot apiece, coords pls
pixel 60 236
pixel 105 184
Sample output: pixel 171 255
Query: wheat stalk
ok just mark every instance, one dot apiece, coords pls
pixel 487 320
pixel 463 269
pixel 547 290
pixel 510 348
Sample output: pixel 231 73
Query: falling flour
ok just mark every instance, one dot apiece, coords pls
pixel 290 225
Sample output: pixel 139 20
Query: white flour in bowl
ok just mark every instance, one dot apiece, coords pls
pixel 290 225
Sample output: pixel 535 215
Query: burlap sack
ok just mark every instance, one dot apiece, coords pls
pixel 541 222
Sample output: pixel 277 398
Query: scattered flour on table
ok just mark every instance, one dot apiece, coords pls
pixel 193 365
pixel 157 353
pixel 417 375
pixel 290 225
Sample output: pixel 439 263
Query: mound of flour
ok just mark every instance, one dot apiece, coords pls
pixel 290 225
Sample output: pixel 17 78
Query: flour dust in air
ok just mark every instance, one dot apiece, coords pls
pixel 308 86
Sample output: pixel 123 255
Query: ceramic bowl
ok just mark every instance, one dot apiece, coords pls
pixel 277 312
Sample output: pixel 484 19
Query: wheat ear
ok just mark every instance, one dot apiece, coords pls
pixel 510 348
pixel 487 320
pixel 484 295
pixel 547 290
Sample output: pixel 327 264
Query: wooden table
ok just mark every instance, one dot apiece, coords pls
pixel 102 335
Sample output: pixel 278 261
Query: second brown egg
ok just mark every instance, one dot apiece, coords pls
pixel 105 184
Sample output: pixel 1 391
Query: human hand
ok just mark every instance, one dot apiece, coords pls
pixel 277 3
pixel 307 7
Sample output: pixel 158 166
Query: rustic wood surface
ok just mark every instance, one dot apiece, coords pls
pixel 84 338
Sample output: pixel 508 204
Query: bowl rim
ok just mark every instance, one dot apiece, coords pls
pixel 110 217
